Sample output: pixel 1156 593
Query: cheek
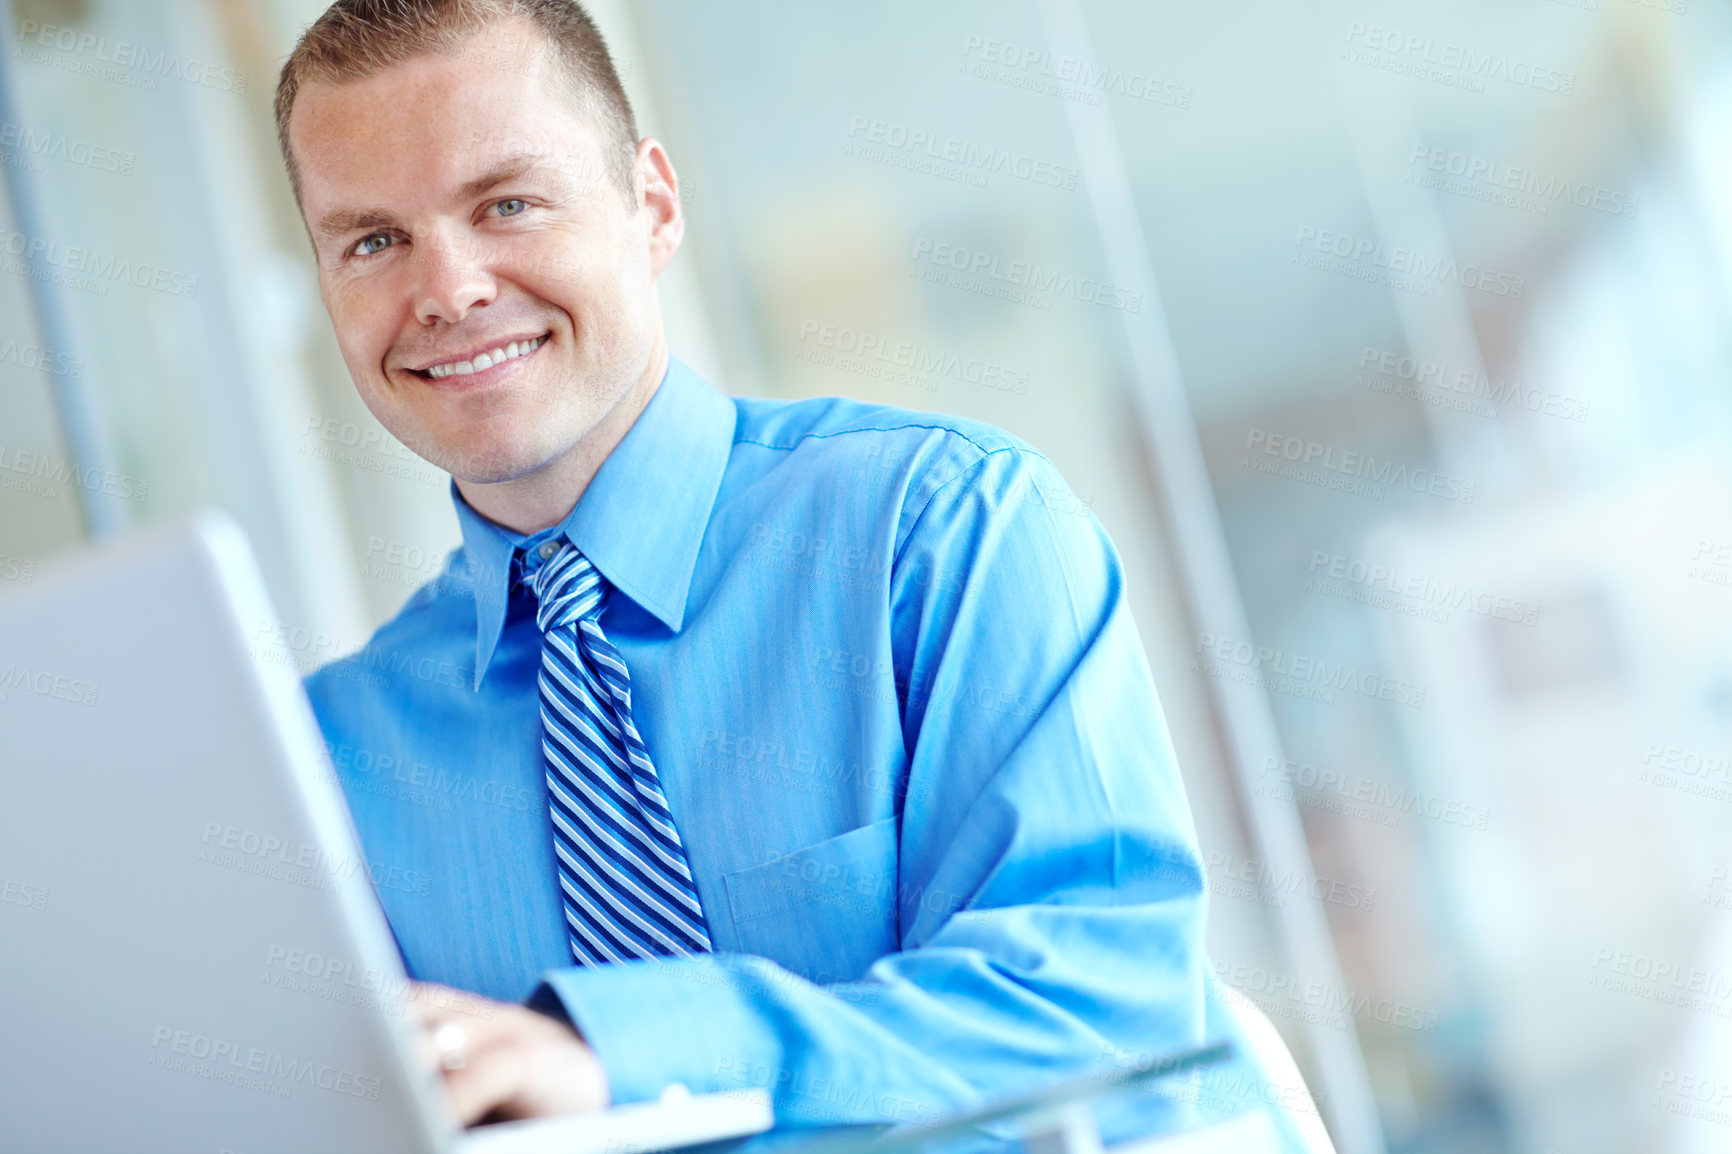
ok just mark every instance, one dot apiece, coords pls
pixel 555 272
pixel 346 305
pixel 572 266
pixel 615 295
pixel 360 319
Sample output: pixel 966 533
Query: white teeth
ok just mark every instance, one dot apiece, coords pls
pixel 487 359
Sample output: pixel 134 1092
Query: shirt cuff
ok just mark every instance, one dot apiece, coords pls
pixel 656 1022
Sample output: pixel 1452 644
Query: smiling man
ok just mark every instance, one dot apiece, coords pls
pixel 802 744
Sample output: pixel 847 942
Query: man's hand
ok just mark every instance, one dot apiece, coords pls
pixel 509 1063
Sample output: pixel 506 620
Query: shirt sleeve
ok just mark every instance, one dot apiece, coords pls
pixel 1050 895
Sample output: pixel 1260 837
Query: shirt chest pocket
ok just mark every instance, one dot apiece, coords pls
pixel 825 912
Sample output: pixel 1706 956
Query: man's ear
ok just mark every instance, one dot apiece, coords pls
pixel 658 191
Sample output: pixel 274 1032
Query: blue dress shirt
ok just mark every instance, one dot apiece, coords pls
pixel 884 665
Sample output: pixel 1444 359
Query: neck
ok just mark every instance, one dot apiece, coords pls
pixel 538 500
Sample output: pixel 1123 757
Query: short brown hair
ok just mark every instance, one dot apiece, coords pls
pixel 355 39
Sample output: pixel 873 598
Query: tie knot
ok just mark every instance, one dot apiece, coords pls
pixel 567 588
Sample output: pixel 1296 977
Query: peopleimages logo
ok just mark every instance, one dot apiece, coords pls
pixel 1431 59
pixel 1362 258
pixel 1526 188
pixel 1708 776
pixel 1302 781
pixel 28 356
pixel 27 143
pixel 1018 280
pixel 1693 1096
pixel 1277 993
pixel 40 475
pixel 124 54
pixel 920 362
pixel 1664 980
pixel 1470 383
pixel 82 262
pixel 1289 882
pixel 221 1060
pixel 1719 888
pixel 1356 467
pixel 299 863
pixel 889 142
pixel 1068 77
pixel 17 893
pixel 1286 672
pixel 1420 588
pixel 46 683
pixel 375 772
pixel 371 449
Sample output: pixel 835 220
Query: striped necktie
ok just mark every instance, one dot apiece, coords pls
pixel 627 889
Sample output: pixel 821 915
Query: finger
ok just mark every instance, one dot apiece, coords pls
pixel 425 1005
pixel 492 1078
pixel 444 1042
pixel 435 1004
pixel 425 1051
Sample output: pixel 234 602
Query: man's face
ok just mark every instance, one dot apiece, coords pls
pixel 460 208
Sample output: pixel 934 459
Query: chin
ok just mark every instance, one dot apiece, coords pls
pixel 494 463
pixel 486 469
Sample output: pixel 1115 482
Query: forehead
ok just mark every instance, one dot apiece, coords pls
pixel 432 123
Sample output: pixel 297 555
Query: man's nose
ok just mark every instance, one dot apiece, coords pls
pixel 452 278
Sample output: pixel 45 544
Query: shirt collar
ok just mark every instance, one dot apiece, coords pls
pixel 641 519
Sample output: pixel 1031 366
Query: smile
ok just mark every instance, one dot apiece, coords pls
pixel 485 359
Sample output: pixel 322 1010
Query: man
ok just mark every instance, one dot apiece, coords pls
pixel 804 744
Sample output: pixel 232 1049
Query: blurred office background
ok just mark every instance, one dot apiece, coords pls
pixel 1388 338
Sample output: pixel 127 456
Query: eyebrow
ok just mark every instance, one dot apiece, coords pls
pixel 510 168
pixel 346 221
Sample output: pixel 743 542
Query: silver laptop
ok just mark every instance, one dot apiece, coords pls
pixel 192 956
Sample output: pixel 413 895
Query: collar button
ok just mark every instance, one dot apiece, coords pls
pixel 548 549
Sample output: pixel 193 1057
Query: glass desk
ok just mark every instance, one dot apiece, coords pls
pixel 1058 1119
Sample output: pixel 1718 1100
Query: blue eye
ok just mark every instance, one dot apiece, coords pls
pixel 511 207
pixel 370 244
